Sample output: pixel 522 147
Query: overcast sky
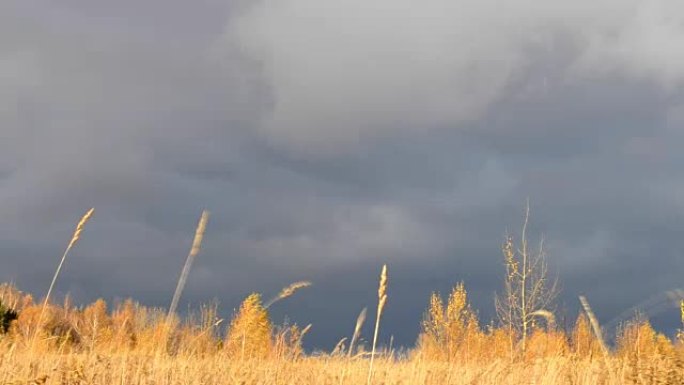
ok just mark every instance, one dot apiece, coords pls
pixel 329 137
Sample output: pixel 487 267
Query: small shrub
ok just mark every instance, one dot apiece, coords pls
pixel 449 332
pixel 7 315
pixel 249 334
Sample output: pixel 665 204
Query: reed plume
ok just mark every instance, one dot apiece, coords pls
pixel 594 322
pixel 382 299
pixel 599 335
pixel 194 250
pixel 287 292
pixel 548 316
pixel 303 333
pixel 357 329
pixel 339 347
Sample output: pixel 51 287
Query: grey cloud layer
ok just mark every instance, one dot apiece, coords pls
pixel 346 72
pixel 330 137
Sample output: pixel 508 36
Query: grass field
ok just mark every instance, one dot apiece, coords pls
pixel 132 344
pixel 124 368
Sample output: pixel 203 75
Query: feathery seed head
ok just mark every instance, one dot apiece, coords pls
pixel 357 330
pixel 383 282
pixel 288 291
pixel 359 322
pixel 199 233
pixel 79 227
pixel 381 303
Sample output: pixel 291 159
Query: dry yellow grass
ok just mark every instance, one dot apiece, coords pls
pixel 132 344
pixel 125 368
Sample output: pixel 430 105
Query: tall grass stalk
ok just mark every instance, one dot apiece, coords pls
pixel 594 323
pixel 382 299
pixel 72 242
pixel 599 335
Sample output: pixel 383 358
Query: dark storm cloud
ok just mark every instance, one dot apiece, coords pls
pixel 328 138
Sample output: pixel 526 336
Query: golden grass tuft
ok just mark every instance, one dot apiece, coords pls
pixel 249 334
